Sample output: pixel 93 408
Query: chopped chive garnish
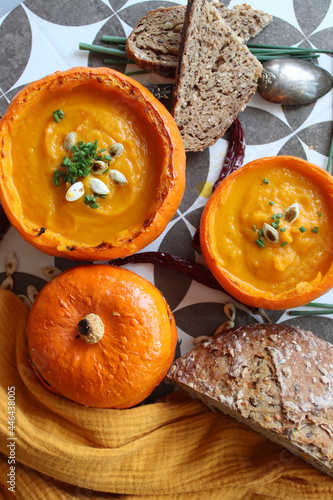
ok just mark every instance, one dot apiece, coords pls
pixel 254 227
pixel 58 115
pixel 315 229
pixel 284 243
pixel 271 203
pixel 302 229
pixel 265 181
pixel 275 225
pixel 282 229
pixel 279 215
pixel 260 232
pixel 102 150
pixel 260 242
pixel 319 214
pixel 108 157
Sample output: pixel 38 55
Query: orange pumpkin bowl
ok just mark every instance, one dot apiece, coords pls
pixel 105 133
pixel 101 336
pixel 266 233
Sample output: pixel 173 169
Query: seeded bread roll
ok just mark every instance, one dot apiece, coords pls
pixel 154 42
pixel 215 78
pixel 275 378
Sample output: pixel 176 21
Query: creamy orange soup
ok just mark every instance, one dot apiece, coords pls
pixel 37 148
pixel 302 252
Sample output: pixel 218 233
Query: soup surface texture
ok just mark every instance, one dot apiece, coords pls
pixel 270 229
pixel 94 116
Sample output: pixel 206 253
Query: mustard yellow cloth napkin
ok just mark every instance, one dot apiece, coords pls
pixel 176 449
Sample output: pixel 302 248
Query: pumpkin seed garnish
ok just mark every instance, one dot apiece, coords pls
pixel 118 178
pixel 25 300
pixel 230 310
pixel 227 325
pixel 32 293
pixel 270 233
pixel 201 338
pixel 8 283
pixel 291 214
pixel 116 150
pixel 11 263
pixel 51 272
pixel 69 141
pixel 98 186
pixel 75 192
pixel 99 167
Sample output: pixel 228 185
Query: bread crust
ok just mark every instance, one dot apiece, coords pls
pixel 154 41
pixel 275 378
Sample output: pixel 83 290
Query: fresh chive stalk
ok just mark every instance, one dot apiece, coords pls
pixel 310 313
pixel 330 156
pixel 118 61
pixel 292 49
pixel 114 39
pixel 103 50
pixel 319 304
pixel 142 72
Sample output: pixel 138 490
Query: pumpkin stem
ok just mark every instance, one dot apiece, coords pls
pixel 91 328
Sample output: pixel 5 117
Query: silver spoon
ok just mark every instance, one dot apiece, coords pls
pixel 293 81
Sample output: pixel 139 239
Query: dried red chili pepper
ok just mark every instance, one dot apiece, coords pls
pixel 187 267
pixel 4 223
pixel 235 153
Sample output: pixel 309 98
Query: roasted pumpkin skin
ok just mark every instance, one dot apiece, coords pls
pixel 282 274
pixel 99 104
pixel 131 358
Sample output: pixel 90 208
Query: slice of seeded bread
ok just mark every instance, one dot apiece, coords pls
pixel 154 42
pixel 277 379
pixel 215 77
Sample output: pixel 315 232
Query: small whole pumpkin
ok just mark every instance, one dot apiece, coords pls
pixel 101 336
pixel 92 166
pixel 266 233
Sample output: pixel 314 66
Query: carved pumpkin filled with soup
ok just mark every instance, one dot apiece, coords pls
pixel 267 232
pixel 92 165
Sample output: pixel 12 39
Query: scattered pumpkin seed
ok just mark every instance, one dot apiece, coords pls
pixel 11 263
pixel 98 186
pixel 25 300
pixel 99 167
pixel 291 214
pixel 32 293
pixel 75 192
pixel 200 339
pixel 69 141
pixel 227 325
pixel 230 310
pixel 270 233
pixel 118 178
pixel 8 283
pixel 116 150
pixel 51 272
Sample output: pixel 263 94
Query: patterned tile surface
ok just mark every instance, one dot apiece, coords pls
pixel 39 37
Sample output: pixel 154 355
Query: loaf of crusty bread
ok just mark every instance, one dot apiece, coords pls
pixel 216 76
pixel 154 42
pixel 275 378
